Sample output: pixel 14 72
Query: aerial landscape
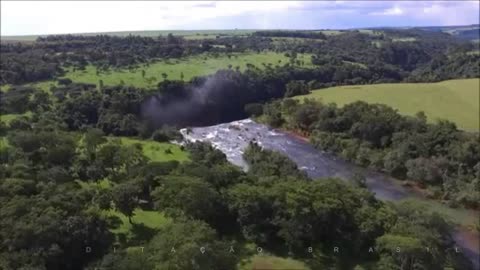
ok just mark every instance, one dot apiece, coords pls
pixel 229 135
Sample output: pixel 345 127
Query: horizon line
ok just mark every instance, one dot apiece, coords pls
pixel 238 29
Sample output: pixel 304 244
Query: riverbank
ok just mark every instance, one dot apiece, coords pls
pixel 465 232
pixel 413 186
pixel 232 138
pixel 295 133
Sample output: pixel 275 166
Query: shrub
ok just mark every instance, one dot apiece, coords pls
pixel 254 109
pixel 166 133
pixel 65 81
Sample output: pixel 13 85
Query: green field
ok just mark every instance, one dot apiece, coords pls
pixel 331 32
pixel 406 39
pixel 6 118
pixel 155 151
pixel 3 142
pixel 190 67
pixel 150 33
pixel 43 85
pixel 150 219
pixel 199 65
pixel 263 262
pixel 9 117
pixel 454 100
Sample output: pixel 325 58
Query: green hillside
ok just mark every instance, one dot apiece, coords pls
pixel 199 65
pixel 174 69
pixel 455 100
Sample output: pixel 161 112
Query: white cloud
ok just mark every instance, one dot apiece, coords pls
pixel 389 12
pixel 27 17
pixel 46 17
pixel 465 12
pixel 435 12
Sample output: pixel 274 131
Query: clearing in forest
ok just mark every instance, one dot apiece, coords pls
pixel 157 151
pixel 181 68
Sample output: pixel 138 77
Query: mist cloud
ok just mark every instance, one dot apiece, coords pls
pixel 195 108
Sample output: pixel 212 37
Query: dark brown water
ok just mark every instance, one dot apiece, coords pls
pixel 232 138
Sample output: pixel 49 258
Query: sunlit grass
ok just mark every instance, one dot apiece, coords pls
pixel 157 151
pixel 7 118
pixel 150 219
pixel 454 100
pixel 190 67
pixel 272 263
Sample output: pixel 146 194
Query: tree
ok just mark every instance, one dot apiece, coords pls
pixel 305 116
pixel 64 81
pixel 166 133
pixel 191 196
pixel 109 158
pixel 65 230
pixel 22 123
pixel 40 101
pixel 394 163
pixel 125 199
pixel 426 171
pixel 118 161
pixel 93 138
pixel 186 237
pixel 414 229
pixel 264 162
pixel 133 259
pixel 273 114
pixel 323 213
pixel 82 110
pixel 164 76
pixel 205 153
pixel 16 100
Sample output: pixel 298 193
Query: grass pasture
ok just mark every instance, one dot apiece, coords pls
pixel 6 118
pixel 263 262
pixel 103 184
pixel 3 142
pixel 454 100
pixel 331 32
pixel 405 39
pixel 199 65
pixel 156 151
pixel 150 219
pixel 197 34
pixel 141 218
pixel 4 88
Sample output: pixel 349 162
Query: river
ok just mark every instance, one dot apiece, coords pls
pixel 232 138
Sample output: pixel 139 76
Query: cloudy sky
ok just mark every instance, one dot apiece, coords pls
pixel 39 17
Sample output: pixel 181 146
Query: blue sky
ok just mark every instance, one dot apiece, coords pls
pixel 53 17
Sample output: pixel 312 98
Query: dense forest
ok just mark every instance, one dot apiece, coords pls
pixel 49 56
pixel 208 203
pixel 436 156
pixel 67 177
